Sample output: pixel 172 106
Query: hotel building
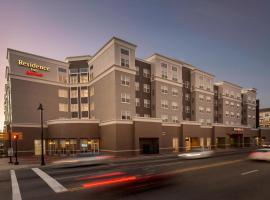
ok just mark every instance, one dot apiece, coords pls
pixel 113 102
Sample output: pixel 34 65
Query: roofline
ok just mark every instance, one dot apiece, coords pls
pixel 9 49
pixel 233 84
pixel 78 58
pixel 142 60
pixel 264 110
pixel 197 69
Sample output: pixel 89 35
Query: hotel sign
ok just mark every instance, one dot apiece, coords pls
pixel 33 68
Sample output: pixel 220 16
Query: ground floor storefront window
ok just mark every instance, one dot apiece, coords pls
pixel 197 142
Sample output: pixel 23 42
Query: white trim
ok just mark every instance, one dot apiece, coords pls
pixel 73 121
pixel 116 122
pixel 203 91
pixel 190 123
pixel 179 84
pixel 171 124
pixel 144 119
pixel 32 125
pixel 229 98
pixel 206 126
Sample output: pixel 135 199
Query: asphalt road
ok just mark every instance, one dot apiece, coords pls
pixel 224 177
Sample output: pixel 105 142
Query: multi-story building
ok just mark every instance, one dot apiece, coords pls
pixel 265 118
pixel 116 103
pixel 249 107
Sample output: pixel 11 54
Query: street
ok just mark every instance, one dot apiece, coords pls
pixel 222 177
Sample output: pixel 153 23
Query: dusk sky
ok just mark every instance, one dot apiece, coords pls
pixel 227 38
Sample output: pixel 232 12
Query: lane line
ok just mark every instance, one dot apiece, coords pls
pixel 249 172
pixel 54 184
pixel 16 194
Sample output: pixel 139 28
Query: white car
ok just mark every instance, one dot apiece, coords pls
pixel 197 153
pixel 260 154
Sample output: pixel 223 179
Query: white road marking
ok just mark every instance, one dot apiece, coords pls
pixel 54 184
pixel 16 194
pixel 249 172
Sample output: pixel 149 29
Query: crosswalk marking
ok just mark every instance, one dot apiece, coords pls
pixel 16 194
pixel 54 184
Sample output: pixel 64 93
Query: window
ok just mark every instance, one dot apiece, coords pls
pixel 227 93
pixel 187 97
pixel 125 98
pixel 84 92
pixel 238 115
pixel 84 107
pixel 92 106
pixel 74 93
pixel 137 101
pixel 227 114
pixel 238 105
pixel 62 75
pixel 201 97
pixel 164 118
pixel 164 71
pixel 174 92
pixel 201 121
pixel 208 110
pixel 232 94
pixel 174 106
pixel 201 109
pixel 124 62
pixel 125 80
pixel 164 104
pixel 146 103
pixel 249 116
pixel 232 114
pixel 63 93
pixel 124 58
pixel 92 91
pixel 124 52
pixel 208 99
pixel 174 73
pixel 227 103
pixel 125 115
pixel 187 108
pixel 73 79
pixel 137 70
pixel 146 73
pixel 63 107
pixel 208 121
pixel 73 70
pixel 186 84
pixel 146 115
pixel 146 88
pixel 201 82
pixel 137 86
pixel 74 107
pixel 232 104
pixel 91 75
pixel 164 89
pixel 175 119
pixel 83 78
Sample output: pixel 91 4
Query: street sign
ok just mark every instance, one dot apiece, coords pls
pixel 10 151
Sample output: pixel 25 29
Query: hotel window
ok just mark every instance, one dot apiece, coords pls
pixel 63 93
pixel 74 93
pixel 238 115
pixel 201 82
pixel 83 78
pixel 208 121
pixel 208 84
pixel 174 106
pixel 137 70
pixel 232 94
pixel 92 91
pixel 232 104
pixel 146 103
pixel 201 97
pixel 201 121
pixel 208 110
pixel 249 108
pixel 124 57
pixel 253 117
pixel 186 84
pixel 73 78
pixel 63 107
pixel 232 114
pixel 227 103
pixel 164 104
pixel 62 75
pixel 249 116
pixel 201 109
pixel 208 99
pixel 174 92
pixel 164 118
pixel 238 96
pixel 174 73
pixel 146 73
pixel 91 74
pixel 164 71
pixel 84 107
pixel 249 99
pixel 146 115
pixel 137 86
pixel 137 101
pixel 187 97
pixel 238 105
pixel 175 119
pixel 74 107
pixel 227 93
pixel 227 114
pixel 187 109
pixel 125 80
pixel 125 98
pixel 146 88
pixel 164 89
pixel 125 115
pixel 84 92
pixel 92 106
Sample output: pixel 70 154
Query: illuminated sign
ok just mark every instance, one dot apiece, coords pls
pixel 33 68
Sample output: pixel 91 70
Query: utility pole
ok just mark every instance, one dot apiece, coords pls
pixel 40 107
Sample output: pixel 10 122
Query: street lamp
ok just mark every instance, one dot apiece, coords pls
pixel 15 137
pixel 40 107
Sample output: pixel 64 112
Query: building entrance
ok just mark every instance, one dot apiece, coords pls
pixel 236 140
pixel 149 145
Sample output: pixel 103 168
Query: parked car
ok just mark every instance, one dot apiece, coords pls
pixel 197 153
pixel 260 154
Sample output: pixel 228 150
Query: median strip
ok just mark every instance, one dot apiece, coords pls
pixel 54 184
pixel 249 172
pixel 16 194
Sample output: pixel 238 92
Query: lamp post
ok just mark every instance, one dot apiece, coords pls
pixel 40 107
pixel 15 137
